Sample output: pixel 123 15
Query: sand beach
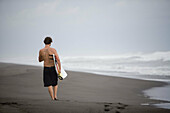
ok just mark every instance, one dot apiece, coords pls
pixel 22 91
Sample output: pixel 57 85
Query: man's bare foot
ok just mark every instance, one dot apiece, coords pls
pixel 56 99
pixel 52 98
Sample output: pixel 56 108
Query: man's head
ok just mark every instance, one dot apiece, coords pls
pixel 48 40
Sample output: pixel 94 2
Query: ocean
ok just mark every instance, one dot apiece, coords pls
pixel 149 66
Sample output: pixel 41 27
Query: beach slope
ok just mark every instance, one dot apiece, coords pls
pixel 22 91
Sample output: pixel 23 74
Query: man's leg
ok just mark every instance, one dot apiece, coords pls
pixel 50 89
pixel 55 91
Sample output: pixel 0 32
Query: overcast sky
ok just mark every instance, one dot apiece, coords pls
pixel 84 27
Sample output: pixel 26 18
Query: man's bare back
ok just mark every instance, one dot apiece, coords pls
pixel 45 55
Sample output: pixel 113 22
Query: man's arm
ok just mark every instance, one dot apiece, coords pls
pixel 58 60
pixel 40 57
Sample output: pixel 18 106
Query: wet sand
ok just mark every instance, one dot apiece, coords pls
pixel 22 91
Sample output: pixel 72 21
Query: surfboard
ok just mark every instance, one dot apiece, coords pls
pixel 63 73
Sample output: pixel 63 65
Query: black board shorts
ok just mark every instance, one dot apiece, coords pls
pixel 50 77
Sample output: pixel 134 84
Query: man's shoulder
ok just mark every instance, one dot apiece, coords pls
pixel 53 49
pixel 41 49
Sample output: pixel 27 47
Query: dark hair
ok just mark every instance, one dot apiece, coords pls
pixel 48 40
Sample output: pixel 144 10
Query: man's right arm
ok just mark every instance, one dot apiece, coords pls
pixel 40 57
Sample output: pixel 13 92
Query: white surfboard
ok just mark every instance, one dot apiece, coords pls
pixel 63 73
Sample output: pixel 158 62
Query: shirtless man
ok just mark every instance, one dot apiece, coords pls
pixel 50 77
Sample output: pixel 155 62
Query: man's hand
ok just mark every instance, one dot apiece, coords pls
pixel 59 71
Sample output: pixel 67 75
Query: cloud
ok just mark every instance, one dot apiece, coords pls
pixel 42 10
pixel 120 3
pixel 47 8
pixel 69 11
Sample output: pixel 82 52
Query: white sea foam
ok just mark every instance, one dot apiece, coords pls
pixel 153 65
pixel 148 64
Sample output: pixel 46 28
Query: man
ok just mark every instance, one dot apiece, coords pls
pixel 50 77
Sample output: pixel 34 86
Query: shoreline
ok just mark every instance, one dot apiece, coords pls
pixel 100 73
pixel 79 92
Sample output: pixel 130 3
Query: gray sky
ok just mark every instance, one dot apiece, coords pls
pixel 84 27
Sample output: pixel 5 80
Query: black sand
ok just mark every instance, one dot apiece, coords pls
pixel 22 91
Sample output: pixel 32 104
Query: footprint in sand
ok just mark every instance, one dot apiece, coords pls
pixel 121 106
pixel 9 103
pixel 116 108
pixel 108 107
